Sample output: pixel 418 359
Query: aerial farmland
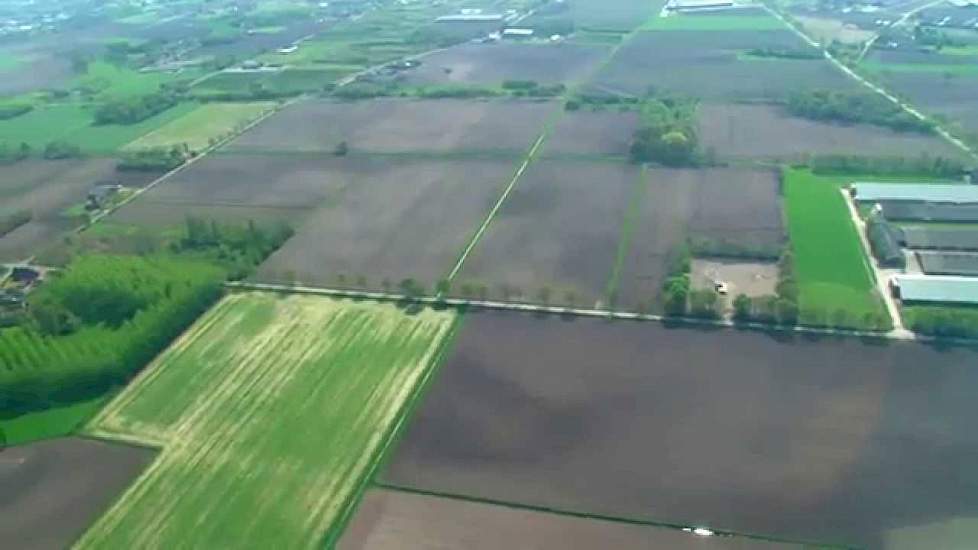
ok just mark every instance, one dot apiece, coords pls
pixel 554 274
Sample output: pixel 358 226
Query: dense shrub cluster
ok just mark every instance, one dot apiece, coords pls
pixel 853 108
pixel 924 165
pixel 153 160
pixel 667 134
pixel 133 110
pixel 947 322
pixel 94 326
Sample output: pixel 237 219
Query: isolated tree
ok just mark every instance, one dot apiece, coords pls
pixel 741 306
pixel 342 148
pixel 3 439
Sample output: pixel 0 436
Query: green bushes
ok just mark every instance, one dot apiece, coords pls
pixel 855 107
pixel 785 53
pixel 922 166
pixel 153 160
pixel 57 150
pixel 944 321
pixel 93 327
pixel 675 289
pixel 14 220
pixel 133 110
pixel 531 88
pixel 668 133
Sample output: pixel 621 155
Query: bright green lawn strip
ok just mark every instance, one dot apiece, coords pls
pixel 72 122
pixel 270 411
pixel 832 271
pixel 199 126
pixel 712 23
pixel 628 225
pixel 53 422
pixel 970 50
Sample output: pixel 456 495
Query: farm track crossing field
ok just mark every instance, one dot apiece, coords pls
pixel 53 490
pixel 47 188
pixel 709 65
pixel 399 219
pixel 397 520
pixel 401 126
pixel 557 233
pixel 491 64
pixel 831 441
pixel 737 206
pixel 196 129
pixel 270 412
pixel 740 131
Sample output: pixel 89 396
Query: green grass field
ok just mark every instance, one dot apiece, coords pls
pixel 271 411
pixel 832 271
pixel 198 127
pixel 713 23
pixel 72 122
pixel 54 422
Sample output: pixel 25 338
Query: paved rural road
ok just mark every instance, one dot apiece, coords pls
pixel 943 132
pixel 585 312
pixel 898 23
pixel 880 276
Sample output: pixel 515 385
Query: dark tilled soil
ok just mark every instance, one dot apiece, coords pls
pixel 705 64
pixel 401 126
pixel 558 230
pixel 47 188
pixel 394 520
pixel 491 64
pixel 587 133
pixel 401 219
pixel 51 491
pixel 827 440
pixel 736 206
pixel 741 131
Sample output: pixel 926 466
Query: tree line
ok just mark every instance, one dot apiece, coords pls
pixel 135 109
pixel 99 321
pixel 667 134
pixel 854 108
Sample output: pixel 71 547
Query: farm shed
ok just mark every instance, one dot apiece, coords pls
pixel 884 239
pixel 941 238
pixel 914 192
pixel 929 211
pixel 936 289
pixel 943 263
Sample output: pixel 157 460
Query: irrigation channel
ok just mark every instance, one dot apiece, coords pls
pixel 442 301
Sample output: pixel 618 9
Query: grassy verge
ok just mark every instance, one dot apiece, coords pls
pixel 712 23
pixel 49 423
pixel 628 225
pixel 202 126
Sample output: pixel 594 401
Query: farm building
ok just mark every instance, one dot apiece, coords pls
pixel 884 239
pixel 923 202
pixel 913 192
pixel 698 5
pixel 945 263
pixel 517 33
pixel 940 238
pixel 469 18
pixel 935 289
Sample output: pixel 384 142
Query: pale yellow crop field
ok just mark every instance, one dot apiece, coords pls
pixel 271 412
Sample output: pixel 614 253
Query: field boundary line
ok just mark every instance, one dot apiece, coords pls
pixel 441 301
pixel 628 224
pixel 905 106
pixel 499 204
pixel 394 432
pixel 718 532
